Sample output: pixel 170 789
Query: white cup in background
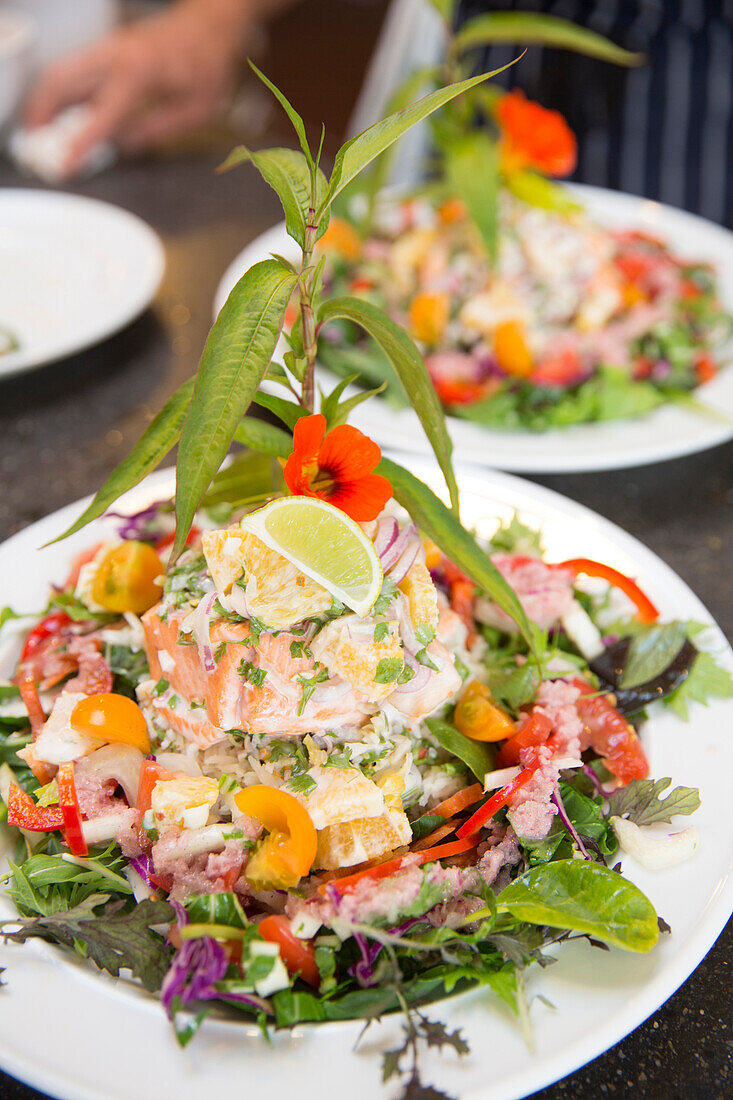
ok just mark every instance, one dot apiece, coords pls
pixel 17 40
pixel 63 26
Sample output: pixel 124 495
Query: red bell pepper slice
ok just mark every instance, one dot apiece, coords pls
pixel 533 733
pixel 24 813
pixel 45 629
pixel 392 866
pixel 647 612
pixel 69 804
pixel 31 701
pixel 487 811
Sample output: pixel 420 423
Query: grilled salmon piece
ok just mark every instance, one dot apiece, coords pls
pixel 226 699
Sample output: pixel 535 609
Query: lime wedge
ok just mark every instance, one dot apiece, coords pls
pixel 324 544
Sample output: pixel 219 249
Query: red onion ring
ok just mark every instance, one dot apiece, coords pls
pixel 420 679
pixel 387 531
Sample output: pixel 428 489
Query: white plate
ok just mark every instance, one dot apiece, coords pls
pixel 667 432
pixel 73 271
pixel 111 1042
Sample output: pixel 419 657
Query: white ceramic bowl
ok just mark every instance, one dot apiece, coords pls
pixel 17 40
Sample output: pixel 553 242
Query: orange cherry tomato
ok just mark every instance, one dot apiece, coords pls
pixel 705 367
pixel 113 718
pixel 288 852
pixel 127 578
pixel 511 349
pixel 429 313
pixel 478 717
pixel 342 239
pixel 298 955
pixel 452 211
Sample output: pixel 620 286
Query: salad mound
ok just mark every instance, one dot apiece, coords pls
pixel 573 323
pixel 335 814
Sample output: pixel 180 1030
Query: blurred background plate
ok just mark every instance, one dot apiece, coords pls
pixel 668 432
pixel 73 271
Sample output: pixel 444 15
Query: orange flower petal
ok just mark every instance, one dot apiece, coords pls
pixel 307 438
pixel 348 454
pixel 362 499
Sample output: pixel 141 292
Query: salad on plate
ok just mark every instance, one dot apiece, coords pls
pixel 573 323
pixel 296 745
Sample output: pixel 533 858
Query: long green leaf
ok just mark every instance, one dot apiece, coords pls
pixel 410 368
pixel 263 437
pixel 284 410
pixel 236 356
pixel 442 526
pixel 532 29
pixel 360 150
pixel 157 440
pixel 472 171
pixel 297 121
pixel 288 174
pixel 585 897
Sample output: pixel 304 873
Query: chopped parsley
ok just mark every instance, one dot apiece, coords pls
pixel 424 659
pixel 197 704
pixel 220 651
pixel 161 687
pixel 251 673
pixel 424 633
pixel 302 784
pixel 340 759
pixel 381 631
pixel 387 596
pixel 309 682
pixel 389 670
pixel 299 649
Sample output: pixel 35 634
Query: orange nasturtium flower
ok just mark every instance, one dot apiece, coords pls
pixel 337 467
pixel 533 137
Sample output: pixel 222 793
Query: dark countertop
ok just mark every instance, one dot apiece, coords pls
pixel 63 428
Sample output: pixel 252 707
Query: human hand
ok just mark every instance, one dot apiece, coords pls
pixel 149 81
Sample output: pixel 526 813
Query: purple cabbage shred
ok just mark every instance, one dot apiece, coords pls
pixel 562 812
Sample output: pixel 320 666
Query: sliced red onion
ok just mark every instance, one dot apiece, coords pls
pixel 201 623
pixel 387 531
pixel 392 554
pixel 144 867
pixel 405 563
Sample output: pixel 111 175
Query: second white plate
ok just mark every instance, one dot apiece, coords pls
pixel 667 432
pixel 73 271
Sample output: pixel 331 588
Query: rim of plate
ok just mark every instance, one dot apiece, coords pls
pixel 601 445
pixel 655 575
pixel 149 274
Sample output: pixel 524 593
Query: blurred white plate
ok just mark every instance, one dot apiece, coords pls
pixel 73 271
pixel 109 1041
pixel 667 432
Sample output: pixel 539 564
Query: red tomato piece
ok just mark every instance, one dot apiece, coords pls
pixel 298 955
pixel 47 627
pixel 610 735
pixel 150 773
pixel 535 732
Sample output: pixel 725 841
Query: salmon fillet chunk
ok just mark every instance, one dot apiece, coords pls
pixel 257 686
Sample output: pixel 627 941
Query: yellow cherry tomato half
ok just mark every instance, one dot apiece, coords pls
pixel 429 313
pixel 287 853
pixel 113 718
pixel 478 717
pixel 127 578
